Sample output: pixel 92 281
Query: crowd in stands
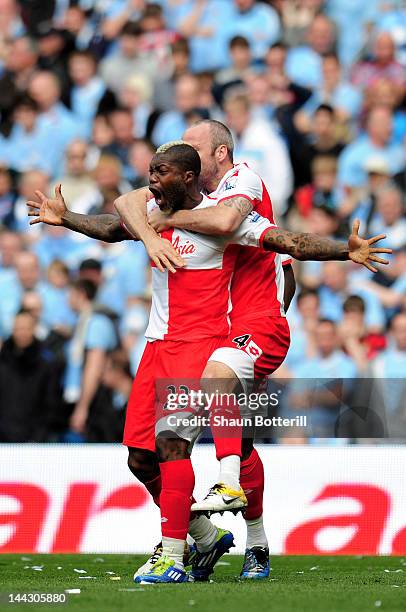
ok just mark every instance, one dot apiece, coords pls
pixel 314 92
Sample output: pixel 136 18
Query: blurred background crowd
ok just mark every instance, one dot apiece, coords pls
pixel 314 93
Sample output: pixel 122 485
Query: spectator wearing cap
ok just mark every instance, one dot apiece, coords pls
pixel 375 143
pixel 304 63
pixel 54 48
pixel 126 60
pixel 93 338
pixel 256 141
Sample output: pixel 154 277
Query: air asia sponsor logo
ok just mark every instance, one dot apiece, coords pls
pixel 22 527
pixel 183 248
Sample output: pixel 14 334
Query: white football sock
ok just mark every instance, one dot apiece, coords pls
pixel 256 535
pixel 174 549
pixel 230 471
pixel 203 532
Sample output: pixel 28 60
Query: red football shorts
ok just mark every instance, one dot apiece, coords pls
pixel 165 365
pixel 255 347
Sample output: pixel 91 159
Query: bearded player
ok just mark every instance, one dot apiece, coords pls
pixel 108 227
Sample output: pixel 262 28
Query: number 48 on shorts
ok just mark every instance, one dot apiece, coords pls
pixel 245 343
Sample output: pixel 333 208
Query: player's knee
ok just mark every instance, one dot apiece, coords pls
pixel 172 449
pixel 143 464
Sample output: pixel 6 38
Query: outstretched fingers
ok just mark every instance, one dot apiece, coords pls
pixel 378 259
pixel 376 238
pixel 32 204
pixel 355 227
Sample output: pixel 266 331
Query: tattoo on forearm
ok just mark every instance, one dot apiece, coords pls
pixel 242 205
pixel 305 246
pixel 102 227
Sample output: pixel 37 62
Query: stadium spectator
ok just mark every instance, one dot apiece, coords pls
pixel 7 198
pixel 93 338
pixel 76 179
pixel 256 141
pixel 321 399
pixel 258 22
pixel 126 60
pixel 389 217
pixel 136 95
pixel 171 124
pixel 358 343
pixel 45 89
pixel 88 88
pixel 241 63
pixel 19 66
pixel 320 137
pixel 376 143
pixel 141 153
pixel 10 245
pixel 335 91
pixel 383 65
pixel 122 124
pixel 304 63
pixel 336 286
pixel 29 385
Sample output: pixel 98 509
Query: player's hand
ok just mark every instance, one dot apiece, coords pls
pixel 159 220
pixel 361 250
pixel 47 210
pixel 78 418
pixel 163 254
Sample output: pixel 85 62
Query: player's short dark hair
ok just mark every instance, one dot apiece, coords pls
pixel 354 303
pixel 239 41
pixel 131 28
pixel 183 156
pixel 220 135
pixel 85 286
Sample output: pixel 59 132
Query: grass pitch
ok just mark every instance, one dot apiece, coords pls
pixel 297 583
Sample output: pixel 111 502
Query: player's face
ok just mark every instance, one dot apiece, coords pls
pixel 199 137
pixel 167 184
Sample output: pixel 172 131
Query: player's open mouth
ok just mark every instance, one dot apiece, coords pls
pixel 157 195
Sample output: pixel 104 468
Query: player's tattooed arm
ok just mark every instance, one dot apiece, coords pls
pixel 220 220
pixel 304 247
pixel 53 211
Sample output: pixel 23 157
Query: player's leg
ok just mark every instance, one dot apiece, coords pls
pixel 178 481
pixel 144 465
pixel 256 560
